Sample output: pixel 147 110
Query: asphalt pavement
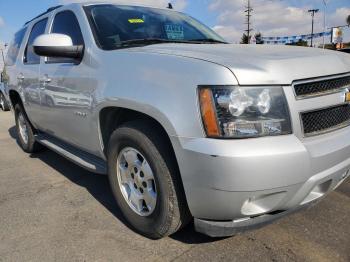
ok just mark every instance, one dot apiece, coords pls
pixel 53 210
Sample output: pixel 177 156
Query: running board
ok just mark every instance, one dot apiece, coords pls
pixel 79 157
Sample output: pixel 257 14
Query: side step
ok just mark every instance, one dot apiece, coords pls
pixel 79 157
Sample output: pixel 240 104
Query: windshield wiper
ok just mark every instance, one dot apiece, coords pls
pixel 150 41
pixel 208 40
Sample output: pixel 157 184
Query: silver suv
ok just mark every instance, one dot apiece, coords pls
pixel 184 124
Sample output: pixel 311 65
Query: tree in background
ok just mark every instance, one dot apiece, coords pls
pixel 299 43
pixel 348 20
pixel 258 38
pixel 245 39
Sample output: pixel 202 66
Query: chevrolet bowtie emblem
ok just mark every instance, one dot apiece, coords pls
pixel 347 96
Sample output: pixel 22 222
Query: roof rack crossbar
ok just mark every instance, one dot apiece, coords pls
pixel 44 13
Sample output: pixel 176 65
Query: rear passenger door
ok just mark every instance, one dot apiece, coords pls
pixel 28 74
pixel 67 89
pixel 13 62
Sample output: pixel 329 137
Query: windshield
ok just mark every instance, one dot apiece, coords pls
pixel 117 26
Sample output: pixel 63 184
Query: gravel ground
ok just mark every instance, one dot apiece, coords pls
pixel 52 210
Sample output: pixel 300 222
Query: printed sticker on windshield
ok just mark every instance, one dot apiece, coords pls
pixel 136 21
pixel 175 32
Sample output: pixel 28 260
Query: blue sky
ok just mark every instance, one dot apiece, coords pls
pixel 271 17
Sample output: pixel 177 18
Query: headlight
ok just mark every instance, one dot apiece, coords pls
pixel 242 112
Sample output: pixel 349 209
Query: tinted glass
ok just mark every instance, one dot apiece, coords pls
pixel 14 47
pixel 66 23
pixel 113 24
pixel 38 29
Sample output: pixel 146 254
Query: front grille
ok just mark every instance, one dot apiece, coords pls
pixel 325 120
pixel 319 87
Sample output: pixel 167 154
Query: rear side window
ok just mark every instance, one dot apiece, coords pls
pixel 38 29
pixel 14 47
pixel 66 23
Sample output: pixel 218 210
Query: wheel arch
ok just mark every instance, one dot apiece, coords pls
pixel 111 117
pixel 15 98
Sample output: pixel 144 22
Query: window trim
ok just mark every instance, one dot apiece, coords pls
pixel 27 41
pixel 76 62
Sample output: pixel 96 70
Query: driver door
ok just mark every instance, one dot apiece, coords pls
pixel 67 90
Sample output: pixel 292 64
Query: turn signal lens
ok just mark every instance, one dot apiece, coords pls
pixel 208 112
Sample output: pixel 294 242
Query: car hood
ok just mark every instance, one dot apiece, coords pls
pixel 262 64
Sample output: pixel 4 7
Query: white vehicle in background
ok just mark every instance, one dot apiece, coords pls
pixel 63 96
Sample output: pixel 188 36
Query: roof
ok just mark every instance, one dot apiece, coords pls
pixel 87 4
pixel 46 12
pixel 114 3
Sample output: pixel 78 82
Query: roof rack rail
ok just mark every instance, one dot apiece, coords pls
pixel 47 11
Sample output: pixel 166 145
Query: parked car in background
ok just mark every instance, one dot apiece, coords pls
pixel 185 125
pixel 345 50
pixel 4 105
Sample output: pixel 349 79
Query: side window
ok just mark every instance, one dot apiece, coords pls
pixel 14 47
pixel 66 23
pixel 38 29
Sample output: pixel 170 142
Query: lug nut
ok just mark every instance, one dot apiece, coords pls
pixel 135 186
pixel 142 174
pixel 144 184
pixel 135 169
pixel 141 190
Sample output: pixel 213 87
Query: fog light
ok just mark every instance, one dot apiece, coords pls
pixel 262 204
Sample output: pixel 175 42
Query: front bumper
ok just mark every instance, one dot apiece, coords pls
pixel 319 186
pixel 230 228
pixel 249 182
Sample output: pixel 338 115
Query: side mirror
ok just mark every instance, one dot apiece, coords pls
pixel 57 45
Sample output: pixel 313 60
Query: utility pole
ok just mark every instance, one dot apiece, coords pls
pixel 324 22
pixel 249 11
pixel 313 12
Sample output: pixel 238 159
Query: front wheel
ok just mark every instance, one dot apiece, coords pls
pixel 145 181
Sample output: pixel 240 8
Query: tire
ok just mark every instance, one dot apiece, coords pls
pixel 3 103
pixel 49 102
pixel 25 132
pixel 170 212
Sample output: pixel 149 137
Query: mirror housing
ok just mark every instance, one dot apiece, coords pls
pixel 57 45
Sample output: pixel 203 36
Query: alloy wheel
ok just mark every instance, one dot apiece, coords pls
pixel 136 181
pixel 23 128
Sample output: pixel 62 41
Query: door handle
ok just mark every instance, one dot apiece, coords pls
pixel 45 79
pixel 20 77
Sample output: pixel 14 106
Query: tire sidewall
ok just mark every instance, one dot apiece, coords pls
pixel 158 220
pixel 1 98
pixel 5 107
pixel 25 146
